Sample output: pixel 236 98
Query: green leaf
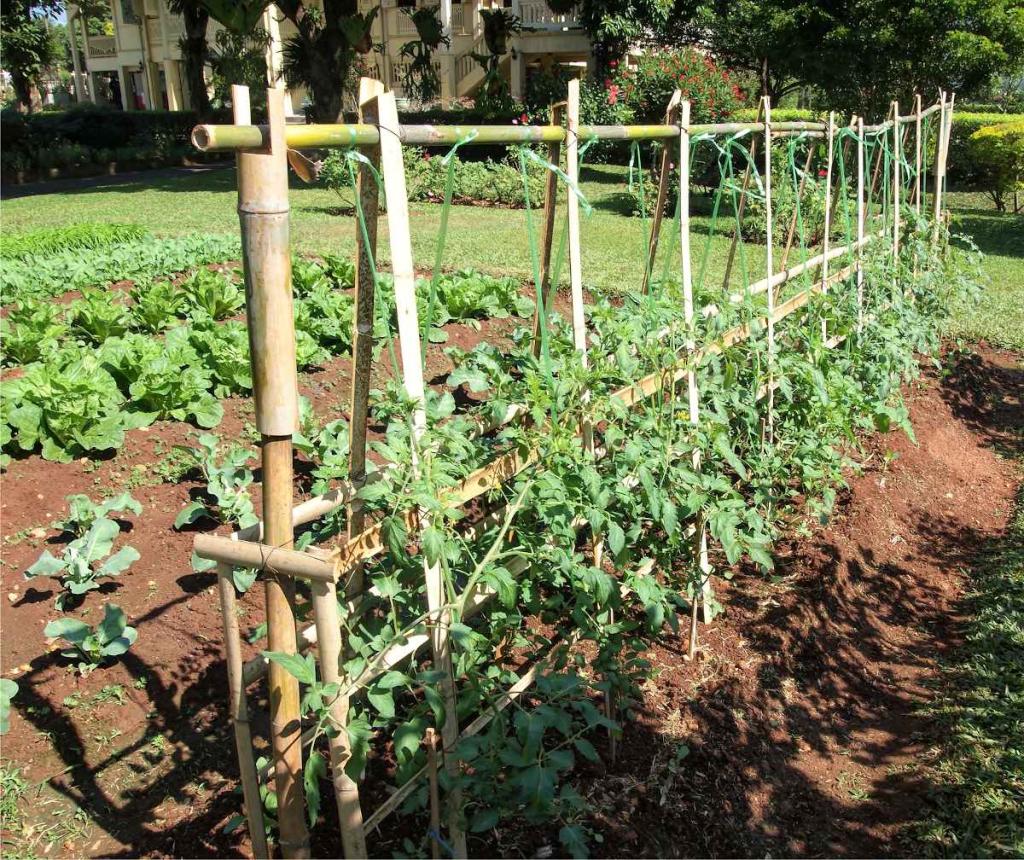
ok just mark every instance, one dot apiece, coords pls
pixel 314 771
pixel 616 539
pixel 192 512
pixel 484 819
pixel 293 664
pixel 8 690
pixel 725 450
pixel 574 840
pixel 382 700
pixel 119 561
pixel 433 544
pixel 71 629
pixel 46 565
pixel 113 624
pixel 586 749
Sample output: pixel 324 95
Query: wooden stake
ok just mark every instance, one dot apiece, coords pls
pixel 412 370
pixel 791 232
pixel 860 225
pixel 430 739
pixel 917 153
pixel 263 212
pixel 548 289
pixel 240 713
pixel 740 207
pixel 659 207
pixel 826 239
pixel 346 792
pixel 362 322
pixel 897 177
pixel 769 250
pixel 692 395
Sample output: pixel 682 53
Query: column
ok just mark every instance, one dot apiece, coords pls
pixel 517 71
pixel 127 102
pixel 174 97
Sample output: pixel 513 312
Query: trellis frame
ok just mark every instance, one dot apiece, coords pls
pixel 262 156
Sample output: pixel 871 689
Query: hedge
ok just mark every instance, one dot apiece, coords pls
pixel 962 167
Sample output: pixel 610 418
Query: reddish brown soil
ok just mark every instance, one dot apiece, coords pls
pixel 799 716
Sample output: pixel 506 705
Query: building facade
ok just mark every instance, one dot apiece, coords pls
pixel 139 65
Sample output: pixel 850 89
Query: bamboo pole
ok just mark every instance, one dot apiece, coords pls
pixel 860 225
pixel 917 153
pixel 791 231
pixel 897 179
pixel 346 792
pixel 547 289
pixel 740 207
pixel 826 239
pixel 270 559
pixel 263 213
pixel 434 794
pixel 221 138
pixel 412 370
pixel 945 148
pixel 769 250
pixel 240 713
pixel 939 166
pixel 662 198
pixel 362 322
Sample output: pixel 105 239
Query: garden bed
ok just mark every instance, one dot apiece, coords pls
pixel 796 714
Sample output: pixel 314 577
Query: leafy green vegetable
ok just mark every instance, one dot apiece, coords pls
pixel 112 637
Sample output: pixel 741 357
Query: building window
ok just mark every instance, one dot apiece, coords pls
pixel 128 12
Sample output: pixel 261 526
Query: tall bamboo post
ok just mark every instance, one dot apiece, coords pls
pixel 940 135
pixel 945 148
pixel 346 792
pixel 826 239
pixel 412 370
pixel 861 214
pixel 917 153
pixel 692 396
pixel 659 206
pixel 769 264
pixel 547 289
pixel 897 179
pixel 362 321
pixel 240 713
pixel 263 213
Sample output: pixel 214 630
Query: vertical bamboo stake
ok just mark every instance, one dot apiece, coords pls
pixel 693 402
pixel 263 213
pixel 240 713
pixel 547 289
pixel 346 792
pixel 741 205
pixel 430 738
pixel 897 178
pixel 860 225
pixel 579 323
pixel 939 167
pixel 662 198
pixel 362 322
pixel 945 147
pixel 829 143
pixel 769 265
pixel 917 153
pixel 412 370
pixel 791 232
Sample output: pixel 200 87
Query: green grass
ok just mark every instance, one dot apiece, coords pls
pixel 979 804
pixel 998 317
pixel 496 241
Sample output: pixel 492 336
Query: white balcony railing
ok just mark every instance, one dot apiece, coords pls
pixel 102 46
pixel 537 13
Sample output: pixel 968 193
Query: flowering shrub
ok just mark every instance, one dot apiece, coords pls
pixel 646 87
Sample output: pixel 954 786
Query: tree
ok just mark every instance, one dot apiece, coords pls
pixel 615 25
pixel 194 49
pixel 28 46
pixel 861 54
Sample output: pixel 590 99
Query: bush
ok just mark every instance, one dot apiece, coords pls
pixel 998 152
pixel 76 237
pixel 647 86
pixel 961 166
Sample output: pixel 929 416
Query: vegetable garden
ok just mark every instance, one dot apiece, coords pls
pixel 457 612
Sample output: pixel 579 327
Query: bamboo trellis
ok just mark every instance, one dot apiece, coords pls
pixel 263 210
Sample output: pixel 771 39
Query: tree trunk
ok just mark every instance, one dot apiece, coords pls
pixel 22 91
pixel 193 55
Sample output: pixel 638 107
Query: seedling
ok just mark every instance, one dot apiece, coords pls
pixel 90 646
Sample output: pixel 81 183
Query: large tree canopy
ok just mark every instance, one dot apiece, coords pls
pixel 27 44
pixel 861 54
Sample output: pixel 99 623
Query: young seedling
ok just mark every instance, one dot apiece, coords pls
pixel 83 512
pixel 90 646
pixel 227 495
pixel 85 561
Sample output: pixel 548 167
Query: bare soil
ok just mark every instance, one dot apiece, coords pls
pixel 799 716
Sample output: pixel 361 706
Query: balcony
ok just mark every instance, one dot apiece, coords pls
pixel 101 46
pixel 537 15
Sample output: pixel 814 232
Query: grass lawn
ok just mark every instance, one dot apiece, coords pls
pixel 496 240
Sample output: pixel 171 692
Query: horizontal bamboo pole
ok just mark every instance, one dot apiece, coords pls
pixel 221 138
pixel 272 559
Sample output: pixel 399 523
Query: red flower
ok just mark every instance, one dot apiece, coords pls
pixel 613 94
pixel 613 64
pixel 524 119
pixel 822 173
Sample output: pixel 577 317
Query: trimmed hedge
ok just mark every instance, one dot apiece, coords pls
pixel 962 167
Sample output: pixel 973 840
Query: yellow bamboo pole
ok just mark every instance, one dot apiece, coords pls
pixel 263 213
pixel 917 153
pixel 547 289
pixel 860 225
pixel 769 261
pixel 897 176
pixel 826 239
